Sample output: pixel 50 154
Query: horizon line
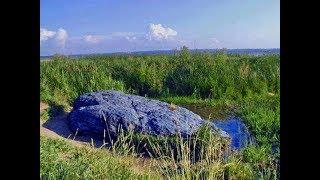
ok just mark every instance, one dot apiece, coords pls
pixel 128 52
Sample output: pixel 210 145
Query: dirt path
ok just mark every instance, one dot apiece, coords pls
pixel 57 128
pixel 43 106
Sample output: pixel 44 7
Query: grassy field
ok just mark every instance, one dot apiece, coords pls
pixel 248 84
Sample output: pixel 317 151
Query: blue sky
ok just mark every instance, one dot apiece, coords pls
pixel 99 26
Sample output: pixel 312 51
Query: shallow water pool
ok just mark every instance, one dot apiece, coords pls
pixel 234 126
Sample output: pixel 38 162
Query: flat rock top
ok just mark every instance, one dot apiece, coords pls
pixel 106 110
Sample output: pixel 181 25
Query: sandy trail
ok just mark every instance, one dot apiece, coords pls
pixel 57 128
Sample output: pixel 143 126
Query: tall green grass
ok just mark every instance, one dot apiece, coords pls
pixel 250 83
pixel 62 81
pixel 200 157
pixel 60 160
pixel 214 76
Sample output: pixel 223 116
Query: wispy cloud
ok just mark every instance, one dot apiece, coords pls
pixel 130 36
pixel 93 38
pixel 121 34
pixel 214 42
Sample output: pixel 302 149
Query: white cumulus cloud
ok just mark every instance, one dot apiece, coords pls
pixel 45 34
pixel 158 32
pixel 61 36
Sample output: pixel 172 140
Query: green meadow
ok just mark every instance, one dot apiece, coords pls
pixel 246 85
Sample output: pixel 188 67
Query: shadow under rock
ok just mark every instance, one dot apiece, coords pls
pixel 58 123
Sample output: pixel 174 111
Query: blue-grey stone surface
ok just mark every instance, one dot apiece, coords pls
pixel 106 110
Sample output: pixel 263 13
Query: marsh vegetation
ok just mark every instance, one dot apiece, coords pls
pixel 219 84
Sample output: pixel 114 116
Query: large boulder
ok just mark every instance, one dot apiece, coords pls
pixel 96 112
